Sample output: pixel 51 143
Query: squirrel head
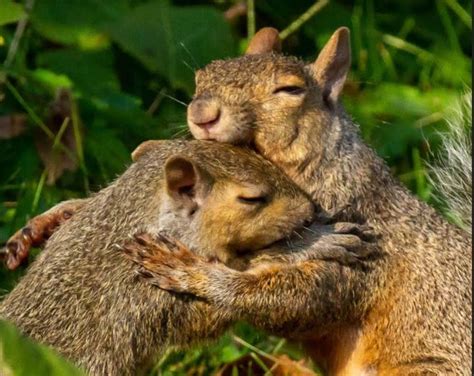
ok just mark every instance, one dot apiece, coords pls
pixel 221 200
pixel 271 101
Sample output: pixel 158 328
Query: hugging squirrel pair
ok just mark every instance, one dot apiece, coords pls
pixel 403 310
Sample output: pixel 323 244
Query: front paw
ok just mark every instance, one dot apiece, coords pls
pixel 350 243
pixel 35 234
pixel 164 262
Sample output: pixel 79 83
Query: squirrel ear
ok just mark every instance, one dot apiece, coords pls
pixel 185 181
pixel 333 63
pixel 144 147
pixel 180 175
pixel 265 40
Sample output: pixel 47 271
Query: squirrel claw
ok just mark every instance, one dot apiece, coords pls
pixel 7 254
pixel 364 231
pixel 36 232
pixel 17 248
pixel 163 261
pixel 349 244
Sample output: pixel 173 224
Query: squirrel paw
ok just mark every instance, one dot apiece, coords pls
pixel 165 262
pixel 349 243
pixel 35 233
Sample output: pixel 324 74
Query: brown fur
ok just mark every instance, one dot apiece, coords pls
pixel 408 312
pixel 412 314
pixel 81 295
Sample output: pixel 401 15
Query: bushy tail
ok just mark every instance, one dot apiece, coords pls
pixel 451 174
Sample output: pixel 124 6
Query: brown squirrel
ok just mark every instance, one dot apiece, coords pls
pixel 81 295
pixel 411 314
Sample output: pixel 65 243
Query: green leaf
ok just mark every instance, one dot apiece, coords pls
pixel 20 356
pixel 174 41
pixel 230 353
pixel 91 71
pixel 76 22
pixel 396 117
pixel 10 12
pixel 50 79
pixel 108 150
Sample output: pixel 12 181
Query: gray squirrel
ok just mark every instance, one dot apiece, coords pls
pixel 82 295
pixel 411 314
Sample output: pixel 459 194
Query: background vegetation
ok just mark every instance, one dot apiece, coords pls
pixel 85 81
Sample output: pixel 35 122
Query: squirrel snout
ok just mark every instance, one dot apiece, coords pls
pixel 205 113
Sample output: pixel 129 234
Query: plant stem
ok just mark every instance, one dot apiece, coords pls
pixel 250 18
pixel 76 127
pixel 408 47
pixel 448 25
pixel 59 135
pixel 20 29
pixel 38 191
pixel 36 119
pixel 296 24
pixel 460 11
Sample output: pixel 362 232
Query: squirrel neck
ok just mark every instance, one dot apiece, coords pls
pixel 351 178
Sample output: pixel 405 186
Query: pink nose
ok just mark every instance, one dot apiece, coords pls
pixel 204 112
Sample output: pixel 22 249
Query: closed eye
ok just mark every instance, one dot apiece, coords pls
pixel 252 200
pixel 290 89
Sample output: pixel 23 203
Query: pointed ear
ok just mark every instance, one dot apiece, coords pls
pixel 186 182
pixel 265 40
pixel 332 65
pixel 144 147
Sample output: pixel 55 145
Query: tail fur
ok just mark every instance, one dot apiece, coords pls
pixel 451 174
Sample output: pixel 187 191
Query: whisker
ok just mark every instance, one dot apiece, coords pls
pixel 179 125
pixel 182 130
pixel 176 100
pixel 187 65
pixel 289 243
pixel 180 134
pixel 298 234
pixel 190 54
pixel 308 229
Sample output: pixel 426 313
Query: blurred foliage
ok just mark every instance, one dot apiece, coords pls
pixel 125 70
pixel 33 359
